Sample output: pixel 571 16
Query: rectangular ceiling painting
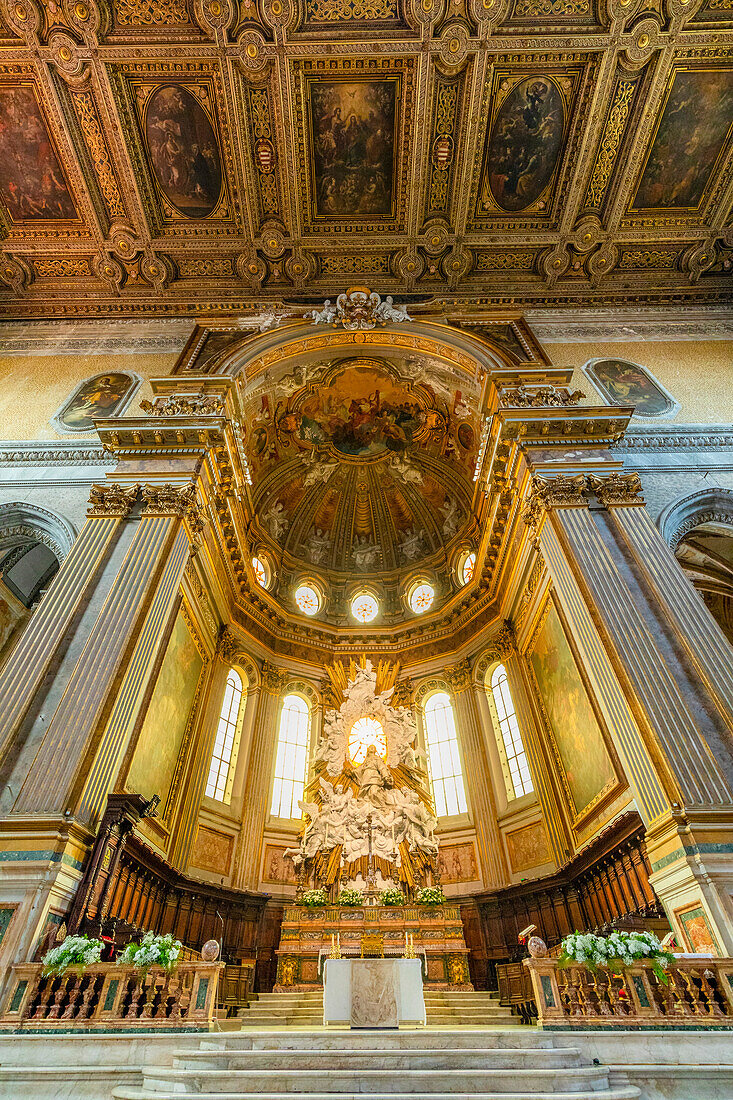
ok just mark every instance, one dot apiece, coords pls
pixel 33 184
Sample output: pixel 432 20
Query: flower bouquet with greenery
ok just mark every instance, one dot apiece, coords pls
pixel 314 899
pixel 152 950
pixel 74 951
pixel 430 895
pixel 392 896
pixel 616 951
pixel 350 897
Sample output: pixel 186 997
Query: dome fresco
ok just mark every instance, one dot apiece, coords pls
pixel 363 465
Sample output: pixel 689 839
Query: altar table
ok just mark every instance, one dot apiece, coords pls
pixel 373 993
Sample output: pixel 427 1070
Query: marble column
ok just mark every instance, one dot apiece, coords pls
pixel 85 739
pixel 477 775
pixel 667 726
pixel 29 662
pixel 246 873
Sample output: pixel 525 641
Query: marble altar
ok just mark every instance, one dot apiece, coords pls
pixel 373 993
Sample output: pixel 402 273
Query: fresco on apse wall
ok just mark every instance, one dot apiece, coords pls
pixel 33 185
pixel 577 734
pixel 624 383
pixel 525 142
pixel 153 765
pixel 102 395
pixel 183 150
pixel 696 120
pixel 353 126
pixel 361 411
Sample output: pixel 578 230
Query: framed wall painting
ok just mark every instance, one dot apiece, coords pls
pixel 621 382
pixel 107 394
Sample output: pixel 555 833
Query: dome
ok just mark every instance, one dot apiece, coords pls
pixel 363 467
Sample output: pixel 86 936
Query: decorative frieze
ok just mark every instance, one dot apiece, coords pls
pixel 539 397
pixel 185 405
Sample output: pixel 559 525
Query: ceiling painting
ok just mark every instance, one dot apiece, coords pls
pixel 183 150
pixel 531 114
pixel 201 159
pixel 352 134
pixel 693 131
pixel 33 184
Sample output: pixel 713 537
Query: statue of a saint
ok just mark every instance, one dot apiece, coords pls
pixel 374 778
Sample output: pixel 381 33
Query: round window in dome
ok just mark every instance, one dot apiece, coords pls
pixel 365 733
pixel 307 599
pixel 261 571
pixel 467 567
pixel 421 597
pixel 365 607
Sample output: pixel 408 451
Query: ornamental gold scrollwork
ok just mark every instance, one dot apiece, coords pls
pixel 151 13
pixel 62 269
pixel 273 678
pixel 336 11
pixel 111 500
pixel 610 142
pixel 505 261
pixel 264 149
pixel 87 115
pixel 530 9
pixel 525 397
pixel 184 405
pixel 443 145
pixel 642 259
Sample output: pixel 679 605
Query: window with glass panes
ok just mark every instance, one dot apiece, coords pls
pixel 226 734
pixel 516 758
pixel 445 763
pixel 292 757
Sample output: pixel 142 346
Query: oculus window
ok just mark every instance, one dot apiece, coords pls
pixel 445 762
pixel 292 757
pixel 221 770
pixel 307 599
pixel 511 746
pixel 364 733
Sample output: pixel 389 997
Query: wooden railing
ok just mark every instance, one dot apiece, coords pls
pixel 697 993
pixel 107 997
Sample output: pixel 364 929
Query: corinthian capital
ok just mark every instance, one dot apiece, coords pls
pixel 459 676
pixel 616 488
pixel 168 500
pixel 273 679
pixel 553 492
pixel 111 500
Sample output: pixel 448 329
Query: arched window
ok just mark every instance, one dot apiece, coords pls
pixel 292 757
pixel 445 763
pixel 221 770
pixel 517 775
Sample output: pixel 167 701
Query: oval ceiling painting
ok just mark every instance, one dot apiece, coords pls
pixel 183 151
pixel 525 142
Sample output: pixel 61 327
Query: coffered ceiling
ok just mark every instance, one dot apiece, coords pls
pixel 199 156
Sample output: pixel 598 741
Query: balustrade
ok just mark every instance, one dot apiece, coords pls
pixel 697 993
pixel 107 996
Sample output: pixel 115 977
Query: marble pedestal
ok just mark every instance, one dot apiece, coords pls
pixel 373 993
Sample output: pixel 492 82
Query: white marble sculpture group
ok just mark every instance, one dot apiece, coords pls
pixel 359 308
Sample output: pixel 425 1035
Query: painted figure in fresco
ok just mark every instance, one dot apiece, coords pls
pixel 353 128
pixel 525 143
pixel 183 150
pixel 627 384
pixel 697 119
pixel 32 182
pixel 100 396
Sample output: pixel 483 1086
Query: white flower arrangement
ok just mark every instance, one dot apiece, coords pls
pixel 430 895
pixel 347 896
pixel 152 951
pixel 615 951
pixel 80 951
pixel 314 899
pixel 392 896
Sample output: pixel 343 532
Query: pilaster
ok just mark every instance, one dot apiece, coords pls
pixel 246 873
pixel 478 775
pixel 29 662
pixel 86 736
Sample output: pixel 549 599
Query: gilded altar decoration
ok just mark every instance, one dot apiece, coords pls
pixel 369 815
pixel 359 308
pixel 185 405
pixel 537 397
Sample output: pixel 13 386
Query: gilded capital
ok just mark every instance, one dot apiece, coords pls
pixel 111 500
pixel 273 678
pixel 616 489
pixel 553 492
pixel 168 500
pixel 459 676
pixel 227 646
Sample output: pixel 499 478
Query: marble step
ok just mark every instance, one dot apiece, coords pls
pixel 619 1092
pixel 356 1059
pixel 345 1039
pixel 379 1081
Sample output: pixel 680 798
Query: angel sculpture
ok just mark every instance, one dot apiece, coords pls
pixel 388 311
pixel 325 316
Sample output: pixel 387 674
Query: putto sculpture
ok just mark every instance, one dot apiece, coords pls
pixel 359 308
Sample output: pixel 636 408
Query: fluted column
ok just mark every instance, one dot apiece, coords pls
pixel 667 727
pixel 29 661
pixel 259 779
pixel 478 775
pixel 86 735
